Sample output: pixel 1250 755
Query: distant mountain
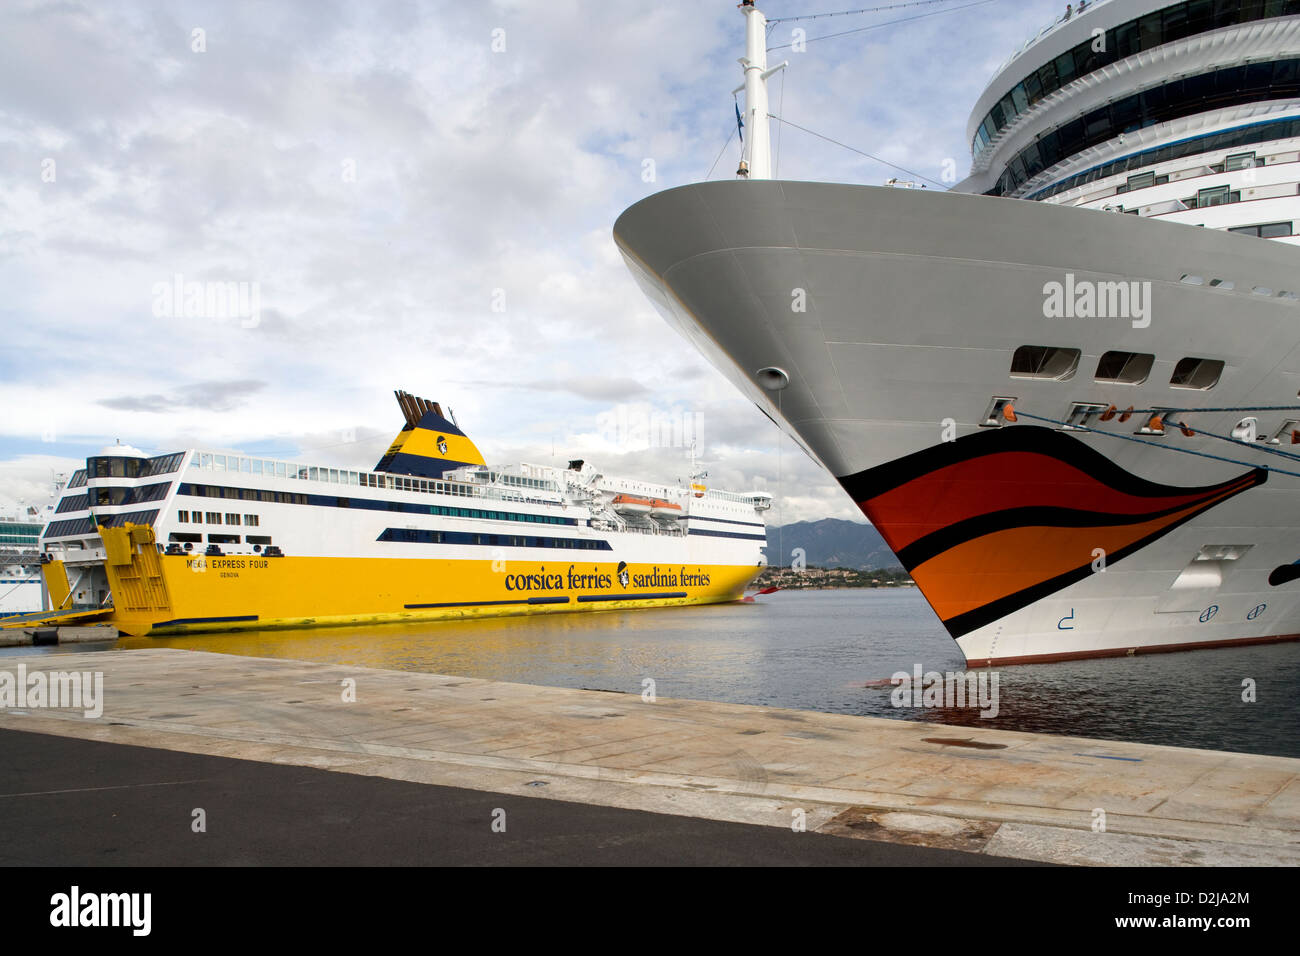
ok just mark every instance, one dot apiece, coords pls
pixel 830 543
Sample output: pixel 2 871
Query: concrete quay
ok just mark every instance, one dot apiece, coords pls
pixel 1001 794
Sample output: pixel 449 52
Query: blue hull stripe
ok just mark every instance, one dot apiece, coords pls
pixel 747 524
pixel 728 534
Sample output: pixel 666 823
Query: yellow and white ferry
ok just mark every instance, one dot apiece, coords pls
pixel 201 541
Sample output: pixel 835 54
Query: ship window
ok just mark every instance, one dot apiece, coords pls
pixel 214 517
pixel 1271 230
pixel 1044 361
pixel 183 517
pixel 223 539
pixel 1141 181
pixel 183 536
pixel 1124 368
pixel 1197 373
pixel 258 539
pixel 251 521
pixel 232 519
pixel 1212 196
pixel 1239 161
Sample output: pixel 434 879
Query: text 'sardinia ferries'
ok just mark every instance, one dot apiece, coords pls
pixel 1064 391
pixel 198 541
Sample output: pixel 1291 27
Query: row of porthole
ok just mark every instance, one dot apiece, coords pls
pixel 1113 368
pixel 1227 285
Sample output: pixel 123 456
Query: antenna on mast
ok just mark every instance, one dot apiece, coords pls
pixel 756 157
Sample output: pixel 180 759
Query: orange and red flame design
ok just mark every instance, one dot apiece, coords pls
pixel 997 520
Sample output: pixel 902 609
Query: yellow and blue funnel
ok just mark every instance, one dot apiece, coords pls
pixel 429 444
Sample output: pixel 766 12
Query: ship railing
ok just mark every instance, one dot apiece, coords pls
pixel 631 529
pixel 324 474
pixel 272 468
pixel 1050 28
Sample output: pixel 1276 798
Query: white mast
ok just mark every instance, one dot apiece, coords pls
pixel 757 155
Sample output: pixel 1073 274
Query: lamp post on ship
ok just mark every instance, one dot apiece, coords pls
pixel 756 156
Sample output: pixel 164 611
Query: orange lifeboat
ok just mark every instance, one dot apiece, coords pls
pixel 638 505
pixel 665 509
pixel 632 504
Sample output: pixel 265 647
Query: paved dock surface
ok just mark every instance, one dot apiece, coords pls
pixel 1001 794
pixel 76 802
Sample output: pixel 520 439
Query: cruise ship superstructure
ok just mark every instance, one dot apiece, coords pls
pixel 1067 391
pixel 197 540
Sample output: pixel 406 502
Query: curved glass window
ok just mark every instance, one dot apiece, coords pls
pixel 1173 23
pixel 112 466
pixel 1185 96
pixel 1226 139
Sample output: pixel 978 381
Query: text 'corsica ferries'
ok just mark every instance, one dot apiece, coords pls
pixel 1065 390
pixel 197 541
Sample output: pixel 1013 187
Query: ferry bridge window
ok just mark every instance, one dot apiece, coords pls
pixel 114 467
pixel 232 519
pixel 251 521
pixel 214 517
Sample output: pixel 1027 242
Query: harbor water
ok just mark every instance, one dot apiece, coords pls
pixel 815 650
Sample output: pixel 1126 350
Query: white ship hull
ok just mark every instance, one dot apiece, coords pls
pixel 914 304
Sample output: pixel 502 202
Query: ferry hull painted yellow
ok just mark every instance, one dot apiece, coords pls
pixel 247 592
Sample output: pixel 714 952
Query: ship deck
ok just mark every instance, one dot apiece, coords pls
pixel 1000 794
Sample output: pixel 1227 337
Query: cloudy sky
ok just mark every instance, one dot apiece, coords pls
pixel 417 196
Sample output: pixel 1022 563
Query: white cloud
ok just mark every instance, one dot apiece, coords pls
pixel 380 173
